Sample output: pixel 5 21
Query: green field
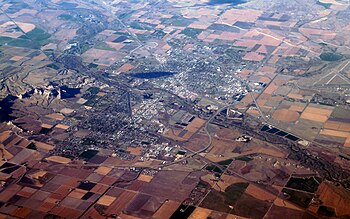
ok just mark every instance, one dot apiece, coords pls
pixel 330 57
pixel 103 46
pixel 192 32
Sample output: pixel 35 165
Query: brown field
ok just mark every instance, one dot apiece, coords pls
pixel 197 142
pixel 145 178
pixel 195 125
pixel 62 126
pixel 285 115
pixel 58 159
pixel 283 203
pixel 66 111
pixel 335 133
pixel 81 101
pixel 249 43
pixel 46 126
pixel 101 57
pixel 66 34
pixel 135 151
pixel 56 116
pixel 173 133
pixel 5 135
pixel 166 210
pixel 16 58
pixel 319 111
pixel 4 153
pixel 253 56
pixel 333 197
pixel 44 146
pixel 271 88
pixel 120 202
pixel 77 193
pixel 340 126
pixel 200 213
pixel 81 133
pixel 253 112
pixel 169 184
pixel 273 60
pixel 314 117
pixel 307 129
pixel 347 142
pixel 251 207
pixel 126 67
pixel 103 170
pixel 229 134
pixel 297 108
pixel 227 180
pixel 259 193
pixel 283 212
pixel 101 94
pixel 126 216
pixel 261 147
pixel 106 200
pixel 221 150
pixel 209 178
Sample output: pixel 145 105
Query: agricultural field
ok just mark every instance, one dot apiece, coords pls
pixel 161 109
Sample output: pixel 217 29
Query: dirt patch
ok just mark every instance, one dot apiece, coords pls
pixel 285 115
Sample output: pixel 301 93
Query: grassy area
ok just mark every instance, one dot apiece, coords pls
pixel 191 32
pixel 92 65
pixel 32 40
pixel 88 153
pixel 66 17
pixel 68 5
pixel 305 184
pixel 330 57
pixel 220 201
pixel 16 6
pixel 53 66
pixel 5 40
pixel 325 5
pixel 225 162
pixel 93 90
pixel 18 42
pixel 301 199
pixel 84 48
pixel 39 35
pixel 143 37
pixel 103 46
pixel 140 26
pixel 213 168
pixel 244 158
pixel 235 191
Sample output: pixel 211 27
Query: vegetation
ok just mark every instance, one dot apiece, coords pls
pixel 234 192
pixel 191 32
pixel 330 57
pixel 325 5
pixel 66 17
pixel 244 158
pixel 213 168
pixel 53 66
pixel 104 46
pixel 88 154
pixel 301 199
pixel 16 6
pixel 225 162
pixel 309 184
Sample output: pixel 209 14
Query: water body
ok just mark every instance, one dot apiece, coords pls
pixel 67 92
pixel 230 2
pixel 5 108
pixel 151 75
